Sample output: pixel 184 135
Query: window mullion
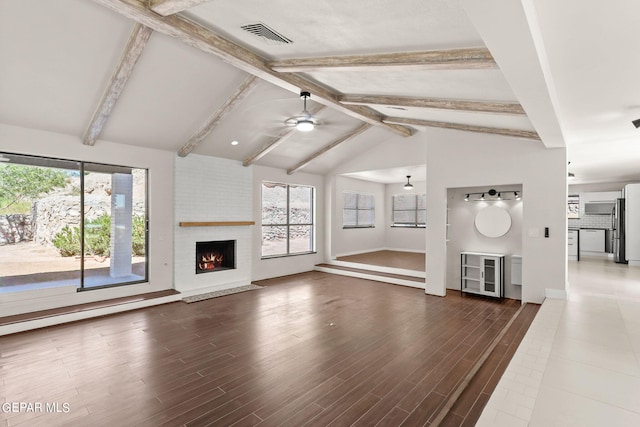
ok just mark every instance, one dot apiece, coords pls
pixel 288 220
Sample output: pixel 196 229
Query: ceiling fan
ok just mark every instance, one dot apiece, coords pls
pixel 305 121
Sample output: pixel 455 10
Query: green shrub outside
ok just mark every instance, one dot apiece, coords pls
pixel 97 237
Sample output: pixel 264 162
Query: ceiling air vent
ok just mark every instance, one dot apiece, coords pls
pixel 269 34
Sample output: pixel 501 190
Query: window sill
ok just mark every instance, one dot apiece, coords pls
pixel 364 226
pixel 288 255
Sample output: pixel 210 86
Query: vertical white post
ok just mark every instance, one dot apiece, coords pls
pixel 121 224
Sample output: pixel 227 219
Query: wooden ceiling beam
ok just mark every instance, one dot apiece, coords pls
pixel 132 51
pixel 170 7
pixel 204 39
pixel 452 59
pixel 468 128
pixel 435 103
pixel 277 141
pixel 334 144
pixel 210 124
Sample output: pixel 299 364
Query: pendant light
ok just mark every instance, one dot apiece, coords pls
pixel 408 185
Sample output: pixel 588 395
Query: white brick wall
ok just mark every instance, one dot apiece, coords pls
pixel 211 189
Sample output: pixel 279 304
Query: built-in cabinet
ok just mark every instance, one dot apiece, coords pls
pixel 592 241
pixel 482 273
pixel 516 270
pixel 573 245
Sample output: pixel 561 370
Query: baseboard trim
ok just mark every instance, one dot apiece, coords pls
pixel 555 294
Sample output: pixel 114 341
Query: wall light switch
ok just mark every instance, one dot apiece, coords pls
pixel 534 232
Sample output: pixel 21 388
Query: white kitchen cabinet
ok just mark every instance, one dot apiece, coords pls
pixel 632 223
pixel 482 274
pixel 591 240
pixel 573 245
pixel 516 270
pixel 600 196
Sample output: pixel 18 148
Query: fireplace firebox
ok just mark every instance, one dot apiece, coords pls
pixel 215 256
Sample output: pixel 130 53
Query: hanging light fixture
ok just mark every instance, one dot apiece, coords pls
pixel 408 185
pixel 492 195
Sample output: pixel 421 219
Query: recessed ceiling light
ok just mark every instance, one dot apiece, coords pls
pixel 234 142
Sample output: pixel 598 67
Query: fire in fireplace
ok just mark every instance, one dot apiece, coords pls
pixel 215 256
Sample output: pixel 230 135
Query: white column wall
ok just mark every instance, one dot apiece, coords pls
pixel 463 159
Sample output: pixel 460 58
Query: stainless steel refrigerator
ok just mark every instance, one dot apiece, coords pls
pixel 618 227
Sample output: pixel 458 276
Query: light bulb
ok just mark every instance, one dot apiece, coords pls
pixel 305 125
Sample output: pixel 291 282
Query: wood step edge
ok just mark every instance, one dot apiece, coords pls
pixel 457 393
pixel 372 272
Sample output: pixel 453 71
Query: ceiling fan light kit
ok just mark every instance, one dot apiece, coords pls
pixel 305 125
pixel 304 122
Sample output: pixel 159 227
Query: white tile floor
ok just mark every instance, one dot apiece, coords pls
pixel 579 363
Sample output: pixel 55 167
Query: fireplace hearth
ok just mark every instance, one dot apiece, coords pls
pixel 215 256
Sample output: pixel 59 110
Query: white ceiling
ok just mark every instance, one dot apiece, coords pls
pixel 57 57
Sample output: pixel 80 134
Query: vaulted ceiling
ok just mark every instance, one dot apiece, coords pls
pixel 184 76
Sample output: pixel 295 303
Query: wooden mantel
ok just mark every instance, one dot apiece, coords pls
pixel 216 223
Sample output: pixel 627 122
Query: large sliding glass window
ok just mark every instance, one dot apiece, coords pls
pixel 287 219
pixel 70 223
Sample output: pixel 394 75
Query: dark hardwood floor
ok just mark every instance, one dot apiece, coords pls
pixel 310 349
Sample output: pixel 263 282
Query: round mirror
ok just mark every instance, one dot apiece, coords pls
pixel 493 221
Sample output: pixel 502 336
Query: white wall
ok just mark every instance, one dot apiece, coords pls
pixel 273 267
pixel 399 238
pixel 491 160
pixel 397 151
pixel 160 165
pixel 357 240
pixel 212 189
pixel 463 236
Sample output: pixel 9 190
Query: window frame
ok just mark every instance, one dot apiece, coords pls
pixel 358 209
pixel 82 167
pixel 416 210
pixel 288 224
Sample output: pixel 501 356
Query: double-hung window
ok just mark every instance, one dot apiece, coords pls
pixel 287 219
pixel 409 210
pixel 358 211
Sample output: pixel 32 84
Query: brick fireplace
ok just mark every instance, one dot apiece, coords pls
pixel 221 213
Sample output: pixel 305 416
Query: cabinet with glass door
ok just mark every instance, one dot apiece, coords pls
pixel 482 273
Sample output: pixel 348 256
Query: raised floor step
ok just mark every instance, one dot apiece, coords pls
pixel 370 274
